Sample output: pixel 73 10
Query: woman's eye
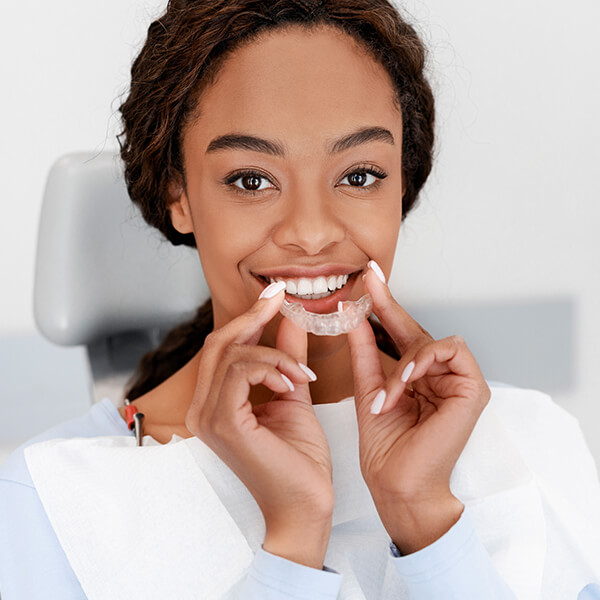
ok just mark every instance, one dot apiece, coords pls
pixel 364 178
pixel 250 182
pixel 253 182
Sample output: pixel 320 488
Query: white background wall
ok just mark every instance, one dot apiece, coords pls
pixel 509 214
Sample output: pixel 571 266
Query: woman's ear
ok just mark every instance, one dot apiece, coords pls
pixel 179 209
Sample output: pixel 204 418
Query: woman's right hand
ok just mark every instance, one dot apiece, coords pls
pixel 277 449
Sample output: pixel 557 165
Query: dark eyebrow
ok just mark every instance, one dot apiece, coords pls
pixel 362 136
pixel 236 141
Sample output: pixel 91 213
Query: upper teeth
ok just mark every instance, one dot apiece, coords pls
pixel 318 285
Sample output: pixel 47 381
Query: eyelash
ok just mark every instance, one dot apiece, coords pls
pixel 370 169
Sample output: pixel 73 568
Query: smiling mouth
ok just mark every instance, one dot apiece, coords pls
pixel 304 288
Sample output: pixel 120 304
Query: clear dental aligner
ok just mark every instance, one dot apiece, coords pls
pixel 335 323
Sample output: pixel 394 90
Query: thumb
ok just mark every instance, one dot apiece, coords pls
pixel 367 371
pixel 293 340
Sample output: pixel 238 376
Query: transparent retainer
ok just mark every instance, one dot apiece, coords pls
pixel 335 323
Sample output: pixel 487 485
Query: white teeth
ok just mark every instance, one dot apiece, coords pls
pixel 304 287
pixel 319 287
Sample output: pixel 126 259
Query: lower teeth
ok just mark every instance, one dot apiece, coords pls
pixel 314 296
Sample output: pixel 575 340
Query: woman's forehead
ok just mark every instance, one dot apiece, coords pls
pixel 299 83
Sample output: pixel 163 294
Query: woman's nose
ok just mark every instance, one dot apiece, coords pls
pixel 309 221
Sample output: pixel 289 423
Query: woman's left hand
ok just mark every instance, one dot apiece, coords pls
pixel 408 450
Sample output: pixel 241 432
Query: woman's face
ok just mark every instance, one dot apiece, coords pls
pixel 291 198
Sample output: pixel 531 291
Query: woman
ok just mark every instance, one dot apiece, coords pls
pixel 287 140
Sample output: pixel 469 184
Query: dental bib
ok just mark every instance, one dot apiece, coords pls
pixel 173 521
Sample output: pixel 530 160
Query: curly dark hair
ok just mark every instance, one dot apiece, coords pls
pixel 182 54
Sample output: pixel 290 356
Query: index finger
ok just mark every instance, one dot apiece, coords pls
pixel 248 327
pixel 244 329
pixel 403 329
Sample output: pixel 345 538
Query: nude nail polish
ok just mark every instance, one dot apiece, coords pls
pixel 373 265
pixel 287 382
pixel 407 371
pixel 308 371
pixel 377 404
pixel 272 289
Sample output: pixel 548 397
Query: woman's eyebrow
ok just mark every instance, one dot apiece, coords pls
pixel 237 141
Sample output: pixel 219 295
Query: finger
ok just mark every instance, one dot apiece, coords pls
pixel 293 341
pixel 246 328
pixel 367 371
pixel 234 409
pixel 452 351
pixel 449 356
pixel 235 352
pixel 403 329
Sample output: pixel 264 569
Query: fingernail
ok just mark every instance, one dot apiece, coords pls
pixel 308 371
pixel 288 382
pixel 407 371
pixel 272 289
pixel 377 270
pixel 378 402
pixel 340 306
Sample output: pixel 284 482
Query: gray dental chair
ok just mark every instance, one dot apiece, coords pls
pixel 104 279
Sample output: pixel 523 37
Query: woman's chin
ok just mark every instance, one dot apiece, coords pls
pixel 323 346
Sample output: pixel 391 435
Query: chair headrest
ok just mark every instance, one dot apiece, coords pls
pixel 100 268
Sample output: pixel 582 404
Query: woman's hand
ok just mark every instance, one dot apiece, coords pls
pixel 431 403
pixel 278 449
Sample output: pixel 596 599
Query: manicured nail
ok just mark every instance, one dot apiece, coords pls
pixel 408 371
pixel 288 382
pixel 340 306
pixel 377 270
pixel 308 371
pixel 272 289
pixel 378 402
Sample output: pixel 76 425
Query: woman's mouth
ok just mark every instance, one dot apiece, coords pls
pixel 313 288
pixel 316 294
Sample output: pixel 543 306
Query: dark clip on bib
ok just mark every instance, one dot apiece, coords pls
pixel 134 420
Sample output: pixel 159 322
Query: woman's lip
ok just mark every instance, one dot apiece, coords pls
pixel 323 305
pixel 297 272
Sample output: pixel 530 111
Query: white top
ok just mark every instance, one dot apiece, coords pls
pixel 526 477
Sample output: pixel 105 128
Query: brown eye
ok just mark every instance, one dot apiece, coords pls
pixel 251 182
pixel 364 178
pixel 357 179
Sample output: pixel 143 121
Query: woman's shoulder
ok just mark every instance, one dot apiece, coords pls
pixel 524 408
pixel 548 436
pixel 102 418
